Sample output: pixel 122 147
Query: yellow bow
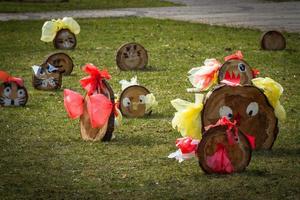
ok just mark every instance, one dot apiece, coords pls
pixel 187 119
pixel 273 91
pixel 50 28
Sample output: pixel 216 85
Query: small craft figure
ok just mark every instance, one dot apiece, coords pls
pixel 62 61
pixel 46 77
pixel 61 32
pixel 12 90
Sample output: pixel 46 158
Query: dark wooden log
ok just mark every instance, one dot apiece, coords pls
pixel 272 40
pixel 65 40
pixel 62 61
pixel 246 104
pixel 238 153
pixel 131 56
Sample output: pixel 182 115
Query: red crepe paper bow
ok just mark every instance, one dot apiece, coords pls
pixel 93 82
pixel 5 77
pixel 255 72
pixel 187 145
pixel 237 55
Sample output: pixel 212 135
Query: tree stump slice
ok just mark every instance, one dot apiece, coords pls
pixel 132 56
pixel 246 104
pixel 62 61
pixel 235 68
pixel 12 94
pixel 238 153
pixel 95 134
pixel 65 40
pixel 46 80
pixel 132 101
pixel 272 40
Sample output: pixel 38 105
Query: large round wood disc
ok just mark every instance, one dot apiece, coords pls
pixel 132 101
pixel 236 69
pixel 62 61
pixel 65 39
pixel 11 94
pixel 272 40
pixel 238 153
pixel 246 104
pixel 132 56
pixel 46 80
pixel 95 134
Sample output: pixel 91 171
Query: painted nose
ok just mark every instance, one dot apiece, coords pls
pixel 12 102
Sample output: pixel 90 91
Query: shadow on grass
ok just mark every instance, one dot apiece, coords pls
pixel 278 152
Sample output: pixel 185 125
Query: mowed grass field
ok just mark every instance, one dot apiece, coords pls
pixel 43 157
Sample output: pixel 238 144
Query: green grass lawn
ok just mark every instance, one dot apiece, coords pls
pixel 9 6
pixel 42 154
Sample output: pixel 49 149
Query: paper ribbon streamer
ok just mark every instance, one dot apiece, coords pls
pixel 93 82
pixel 73 103
pixel 273 91
pixel 125 84
pixel 202 78
pixel 50 28
pixel 5 77
pixel 237 55
pixel 187 119
pixel 186 149
pixel 150 102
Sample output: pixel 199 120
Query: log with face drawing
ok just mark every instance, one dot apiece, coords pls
pixel 246 104
pixel 12 91
pixel 65 39
pixel 62 61
pixel 46 77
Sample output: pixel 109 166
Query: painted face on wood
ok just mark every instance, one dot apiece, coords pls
pixel 133 101
pixel 237 71
pixel 46 77
pixel 248 106
pixel 65 39
pixel 62 62
pixel 132 56
pixel 11 94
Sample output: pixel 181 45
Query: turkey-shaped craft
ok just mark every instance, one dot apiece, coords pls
pixel 12 90
pixel 135 100
pixel 235 70
pixel 46 77
pixel 97 109
pixel 61 32
pixel 132 56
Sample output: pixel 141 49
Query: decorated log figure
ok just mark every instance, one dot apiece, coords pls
pixel 61 32
pixel 272 40
pixel 12 91
pixel 97 111
pixel 132 56
pixel 135 100
pixel 46 77
pixel 234 70
pixel 62 61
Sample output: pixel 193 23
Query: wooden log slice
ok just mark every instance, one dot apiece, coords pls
pixel 132 56
pixel 246 104
pixel 11 94
pixel 132 101
pixel 65 39
pixel 272 40
pixel 215 141
pixel 62 61
pixel 46 80
pixel 95 134
pixel 238 69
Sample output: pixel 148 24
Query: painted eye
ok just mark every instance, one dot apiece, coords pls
pixel 126 102
pixel 252 109
pixel 225 111
pixel 21 93
pixel 241 67
pixel 41 71
pixel 7 91
pixel 142 99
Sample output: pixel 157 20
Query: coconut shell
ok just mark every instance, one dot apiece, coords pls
pixel 272 40
pixel 238 153
pixel 62 61
pixel 65 39
pixel 131 56
pixel 257 119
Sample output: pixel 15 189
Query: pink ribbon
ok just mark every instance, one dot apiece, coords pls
pixel 237 55
pixel 5 77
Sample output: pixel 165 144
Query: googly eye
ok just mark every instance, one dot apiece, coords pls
pixel 7 91
pixel 226 111
pixel 241 67
pixel 142 99
pixel 252 109
pixel 126 102
pixel 21 93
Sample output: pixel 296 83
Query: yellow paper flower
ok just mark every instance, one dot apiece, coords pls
pixel 273 91
pixel 187 119
pixel 50 28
